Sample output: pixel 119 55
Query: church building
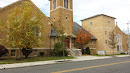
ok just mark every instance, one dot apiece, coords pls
pixel 61 18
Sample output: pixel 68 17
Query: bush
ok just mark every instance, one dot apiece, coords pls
pixel 66 53
pixel 42 53
pixel 83 51
pixel 3 51
pixel 26 51
pixel 122 53
pixel 88 51
pixel 58 50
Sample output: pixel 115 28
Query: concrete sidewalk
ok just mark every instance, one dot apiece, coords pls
pixel 81 58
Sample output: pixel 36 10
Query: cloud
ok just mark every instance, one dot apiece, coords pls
pixel 6 2
pixel 82 9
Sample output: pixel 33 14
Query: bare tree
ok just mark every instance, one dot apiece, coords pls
pixel 112 40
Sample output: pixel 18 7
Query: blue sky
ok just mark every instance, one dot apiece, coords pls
pixel 82 9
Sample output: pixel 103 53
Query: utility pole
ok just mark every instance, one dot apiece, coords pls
pixel 128 38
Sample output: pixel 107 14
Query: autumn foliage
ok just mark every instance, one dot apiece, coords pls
pixel 83 37
pixel 23 28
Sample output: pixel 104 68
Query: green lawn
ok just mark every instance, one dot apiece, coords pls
pixel 101 55
pixel 121 54
pixel 32 59
pixel 109 55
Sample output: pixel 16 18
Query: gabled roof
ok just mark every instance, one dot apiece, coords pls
pixel 98 15
pixel 77 27
pixel 20 1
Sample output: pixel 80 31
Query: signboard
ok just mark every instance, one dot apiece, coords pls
pixel 101 53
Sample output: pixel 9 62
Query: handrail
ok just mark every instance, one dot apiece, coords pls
pixel 74 52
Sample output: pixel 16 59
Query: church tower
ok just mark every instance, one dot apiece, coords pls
pixel 61 13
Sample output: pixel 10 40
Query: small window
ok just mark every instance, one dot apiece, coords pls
pixel 66 3
pixel 109 21
pixel 54 4
pixel 106 41
pixel 117 38
pixel 91 23
pixel 105 32
pixel 117 47
pixel 120 39
pixel 12 52
pixel 120 46
pixel 35 52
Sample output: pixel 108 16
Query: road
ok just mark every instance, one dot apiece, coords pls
pixel 112 65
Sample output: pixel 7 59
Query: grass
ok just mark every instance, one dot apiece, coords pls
pixel 101 55
pixel 121 54
pixel 109 55
pixel 31 59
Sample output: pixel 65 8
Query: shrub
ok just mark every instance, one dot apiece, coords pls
pixel 83 51
pixel 42 53
pixel 88 51
pixel 3 51
pixel 122 53
pixel 26 51
pixel 58 50
pixel 66 53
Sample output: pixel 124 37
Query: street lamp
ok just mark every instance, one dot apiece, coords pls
pixel 128 39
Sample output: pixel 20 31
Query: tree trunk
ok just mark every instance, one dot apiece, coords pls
pixel 82 48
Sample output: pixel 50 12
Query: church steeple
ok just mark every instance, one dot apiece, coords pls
pixel 61 13
pixel 54 4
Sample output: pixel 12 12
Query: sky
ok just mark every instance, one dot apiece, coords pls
pixel 120 9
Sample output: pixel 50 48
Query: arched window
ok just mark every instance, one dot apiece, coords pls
pixel 54 4
pixel 66 3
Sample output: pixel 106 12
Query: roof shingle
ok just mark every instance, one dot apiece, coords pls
pixel 77 27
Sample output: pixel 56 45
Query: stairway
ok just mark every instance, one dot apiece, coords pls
pixel 75 52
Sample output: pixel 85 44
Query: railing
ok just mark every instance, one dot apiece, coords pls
pixel 75 52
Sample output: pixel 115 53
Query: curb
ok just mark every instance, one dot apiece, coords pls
pixel 29 64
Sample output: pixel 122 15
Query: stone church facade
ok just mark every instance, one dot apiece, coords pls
pixel 61 17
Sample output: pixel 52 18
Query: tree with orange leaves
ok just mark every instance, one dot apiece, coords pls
pixel 83 37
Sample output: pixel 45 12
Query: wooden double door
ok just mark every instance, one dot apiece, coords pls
pixel 67 41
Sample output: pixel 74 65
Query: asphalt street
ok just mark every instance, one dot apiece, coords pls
pixel 112 65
